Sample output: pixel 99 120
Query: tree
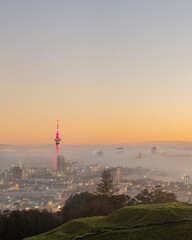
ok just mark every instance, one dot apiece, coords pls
pixel 17 225
pixel 87 204
pixel 144 197
pixel 106 186
pixel 156 195
pixel 76 206
pixel 159 195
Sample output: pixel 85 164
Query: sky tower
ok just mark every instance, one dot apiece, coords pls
pixel 57 139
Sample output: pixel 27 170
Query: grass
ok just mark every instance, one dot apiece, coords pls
pixel 179 231
pixel 129 216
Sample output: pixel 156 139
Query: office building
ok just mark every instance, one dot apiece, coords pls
pixel 61 163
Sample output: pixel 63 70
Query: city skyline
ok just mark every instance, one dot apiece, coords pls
pixel 117 72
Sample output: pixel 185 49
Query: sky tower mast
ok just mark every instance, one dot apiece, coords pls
pixel 57 139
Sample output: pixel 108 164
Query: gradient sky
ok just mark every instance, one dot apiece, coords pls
pixel 115 71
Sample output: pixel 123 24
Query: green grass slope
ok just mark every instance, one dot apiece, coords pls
pixel 130 216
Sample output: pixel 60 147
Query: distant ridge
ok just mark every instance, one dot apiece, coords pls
pixel 169 143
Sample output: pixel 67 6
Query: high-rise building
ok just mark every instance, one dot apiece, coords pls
pixel 154 149
pixel 61 163
pixel 186 179
pixel 63 166
pixel 117 173
pixel 93 170
pixel 17 173
pixel 57 139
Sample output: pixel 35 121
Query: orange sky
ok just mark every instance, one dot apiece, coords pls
pixel 115 73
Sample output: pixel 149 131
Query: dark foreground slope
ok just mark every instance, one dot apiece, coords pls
pixel 160 221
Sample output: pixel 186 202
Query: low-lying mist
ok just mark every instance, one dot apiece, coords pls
pixel 175 158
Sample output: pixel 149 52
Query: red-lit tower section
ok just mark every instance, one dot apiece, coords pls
pixel 57 139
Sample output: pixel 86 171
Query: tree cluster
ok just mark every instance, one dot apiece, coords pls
pixel 106 200
pixel 87 204
pixel 156 195
pixel 16 225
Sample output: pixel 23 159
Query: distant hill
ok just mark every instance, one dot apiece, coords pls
pixel 169 143
pixel 171 221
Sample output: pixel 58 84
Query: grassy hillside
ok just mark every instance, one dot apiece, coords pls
pixel 130 216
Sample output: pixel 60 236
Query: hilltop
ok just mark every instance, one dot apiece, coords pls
pixel 168 221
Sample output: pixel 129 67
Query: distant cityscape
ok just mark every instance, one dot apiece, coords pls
pixel 48 188
pixel 45 188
